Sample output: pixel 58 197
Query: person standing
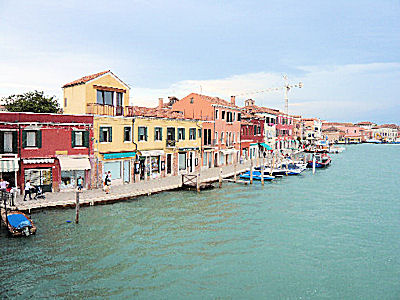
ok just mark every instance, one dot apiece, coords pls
pixel 3 184
pixel 28 188
pixel 80 183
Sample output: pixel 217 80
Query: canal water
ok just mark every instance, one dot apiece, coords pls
pixel 332 235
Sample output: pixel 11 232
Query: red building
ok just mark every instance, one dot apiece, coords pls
pixel 50 150
pixel 221 127
pixel 284 132
pixel 251 135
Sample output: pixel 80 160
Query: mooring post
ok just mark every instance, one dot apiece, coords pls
pixel 313 164
pixel 234 172
pixel 251 171
pixel 77 207
pixel 220 178
pixel 198 183
pixel 262 170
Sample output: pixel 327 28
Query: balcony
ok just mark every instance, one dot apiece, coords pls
pixel 106 110
pixel 171 143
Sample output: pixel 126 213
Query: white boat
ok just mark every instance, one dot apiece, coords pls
pixel 336 149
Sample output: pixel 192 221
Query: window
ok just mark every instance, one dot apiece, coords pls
pixel 158 134
pixel 216 137
pixel 10 140
pixel 191 100
pixel 255 130
pixel 119 99
pixel 181 134
pixel 223 115
pixel 204 159
pixel 80 138
pixel 105 97
pixel 31 139
pixel 105 134
pixel 222 137
pixel 216 114
pixel 171 134
pixel 199 133
pixel 182 160
pixel 142 133
pixel 229 116
pixel 127 134
pixel 65 102
pixel 239 116
pixel 207 136
pixel 192 133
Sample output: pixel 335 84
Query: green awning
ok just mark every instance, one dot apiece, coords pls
pixel 268 147
pixel 119 155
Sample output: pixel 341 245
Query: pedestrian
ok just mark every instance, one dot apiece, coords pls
pixel 80 183
pixel 28 190
pixel 3 184
pixel 107 182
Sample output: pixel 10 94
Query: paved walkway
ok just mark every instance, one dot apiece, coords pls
pixel 125 191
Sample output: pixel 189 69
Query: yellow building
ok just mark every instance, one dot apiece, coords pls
pixel 98 94
pixel 133 143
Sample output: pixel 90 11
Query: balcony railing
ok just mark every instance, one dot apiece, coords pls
pixel 107 110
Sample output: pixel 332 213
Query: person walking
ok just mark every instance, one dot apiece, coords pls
pixel 80 183
pixel 28 188
pixel 107 182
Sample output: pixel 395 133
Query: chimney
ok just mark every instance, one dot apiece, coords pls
pixel 160 103
pixel 233 100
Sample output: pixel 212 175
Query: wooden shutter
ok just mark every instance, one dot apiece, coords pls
pixel 86 139
pixel 15 141
pixel 101 138
pixel 24 139
pixel 110 134
pixel 73 139
pixel 39 139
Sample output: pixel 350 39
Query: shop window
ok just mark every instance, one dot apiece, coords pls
pixel 31 139
pixel 114 168
pixel 40 177
pixel 181 134
pixel 127 134
pixel 158 134
pixel 80 139
pixel 105 134
pixel 192 133
pixel 155 164
pixel 142 133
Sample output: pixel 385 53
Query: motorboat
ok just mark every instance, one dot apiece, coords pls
pixel 336 150
pixel 256 176
pixel 321 161
pixel 18 223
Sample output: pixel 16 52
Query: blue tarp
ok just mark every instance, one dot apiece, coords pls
pixel 18 221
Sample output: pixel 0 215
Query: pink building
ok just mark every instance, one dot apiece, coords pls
pixel 221 127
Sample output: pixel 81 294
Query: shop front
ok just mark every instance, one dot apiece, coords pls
pixel 9 167
pixel 73 167
pixel 151 164
pixel 119 165
pixel 41 172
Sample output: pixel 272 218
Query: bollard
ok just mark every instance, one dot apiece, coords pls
pixel 262 171
pixel 198 183
pixel 77 207
pixel 234 172
pixel 251 171
pixel 313 164
pixel 220 178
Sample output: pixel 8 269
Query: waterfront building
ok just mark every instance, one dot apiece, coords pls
pixel 298 128
pixel 251 136
pixel 386 132
pixel 270 120
pixel 50 150
pixel 312 130
pixel 284 132
pixel 333 135
pixel 167 143
pixel 221 127
pixel 353 134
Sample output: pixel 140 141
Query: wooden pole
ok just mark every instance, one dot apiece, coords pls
pixel 198 183
pixel 313 164
pixel 220 178
pixel 77 207
pixel 262 171
pixel 234 172
pixel 251 171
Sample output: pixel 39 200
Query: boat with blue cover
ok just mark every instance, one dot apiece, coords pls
pixel 18 223
pixel 256 176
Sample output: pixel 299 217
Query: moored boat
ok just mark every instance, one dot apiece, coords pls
pixel 256 176
pixel 321 161
pixel 18 223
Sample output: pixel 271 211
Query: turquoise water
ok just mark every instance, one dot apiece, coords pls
pixel 332 235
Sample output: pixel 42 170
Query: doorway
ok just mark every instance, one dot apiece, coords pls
pixel 169 163
pixel 127 171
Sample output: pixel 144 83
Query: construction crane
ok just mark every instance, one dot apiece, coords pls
pixel 286 88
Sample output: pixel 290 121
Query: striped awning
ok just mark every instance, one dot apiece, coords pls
pixel 9 165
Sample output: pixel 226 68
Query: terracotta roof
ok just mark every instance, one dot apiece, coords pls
pixel 259 109
pixel 85 79
pixel 365 123
pixel 153 112
pixel 337 124
pixel 332 129
pixel 213 100
pixel 392 126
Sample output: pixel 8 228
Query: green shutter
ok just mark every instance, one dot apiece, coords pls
pixel 15 141
pixel 1 142
pixel 24 139
pixel 101 135
pixel 39 138
pixel 86 139
pixel 110 134
pixel 73 139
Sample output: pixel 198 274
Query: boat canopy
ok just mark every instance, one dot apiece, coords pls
pixel 268 147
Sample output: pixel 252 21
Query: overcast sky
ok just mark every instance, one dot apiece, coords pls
pixel 345 52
